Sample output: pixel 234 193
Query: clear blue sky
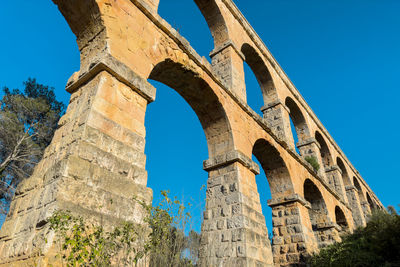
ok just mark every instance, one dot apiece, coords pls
pixel 342 55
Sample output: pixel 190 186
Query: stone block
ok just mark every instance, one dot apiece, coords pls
pixel 297 238
pixel 277 240
pixel 277 222
pixel 292 220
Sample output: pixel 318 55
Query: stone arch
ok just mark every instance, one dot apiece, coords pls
pixel 361 197
pixel 324 150
pixel 215 20
pixel 285 215
pixel 358 187
pixel 275 168
pixel 341 220
pixel 80 15
pixel 203 101
pixel 345 174
pixel 370 202
pixel 263 75
pixel 298 119
pixel 318 213
pixel 85 21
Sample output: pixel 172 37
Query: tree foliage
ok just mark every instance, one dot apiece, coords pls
pixel 162 241
pixel 169 246
pixel 28 120
pixel 378 244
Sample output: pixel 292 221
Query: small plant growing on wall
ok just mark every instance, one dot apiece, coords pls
pixel 82 243
pixel 163 241
pixel 313 162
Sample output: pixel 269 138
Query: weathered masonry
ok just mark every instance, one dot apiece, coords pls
pixel 97 153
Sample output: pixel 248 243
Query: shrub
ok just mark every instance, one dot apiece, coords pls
pixel 163 240
pixel 86 244
pixel 313 161
pixel 378 244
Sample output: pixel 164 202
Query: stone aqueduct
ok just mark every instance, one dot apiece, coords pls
pixel 97 153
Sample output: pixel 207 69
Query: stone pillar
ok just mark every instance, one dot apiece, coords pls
pixel 227 63
pixel 327 233
pixel 234 232
pixel 292 241
pixel 366 210
pixel 356 209
pixel 311 148
pixel 334 177
pixel 93 167
pixel 277 118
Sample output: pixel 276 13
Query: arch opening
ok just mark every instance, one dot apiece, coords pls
pixel 261 72
pixel 295 136
pixel 199 95
pixel 341 220
pixel 216 22
pixel 186 180
pixel 324 150
pixel 359 190
pixel 253 90
pixel 318 212
pixel 300 129
pixel 345 175
pixel 169 137
pixel 361 197
pixel 264 193
pixel 275 169
pixel 275 176
pixel 370 203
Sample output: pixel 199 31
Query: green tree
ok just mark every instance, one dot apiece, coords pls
pixel 169 245
pixel 28 120
pixel 378 244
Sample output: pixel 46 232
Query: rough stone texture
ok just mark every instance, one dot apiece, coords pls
pixel 276 116
pixel 310 148
pixel 234 229
pixel 355 204
pixel 97 154
pixel 291 243
pixel 334 177
pixel 93 167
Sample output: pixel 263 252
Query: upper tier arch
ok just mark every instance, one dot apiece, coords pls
pixel 262 73
pixel 215 20
pixel 298 119
pixel 199 95
pixel 275 168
